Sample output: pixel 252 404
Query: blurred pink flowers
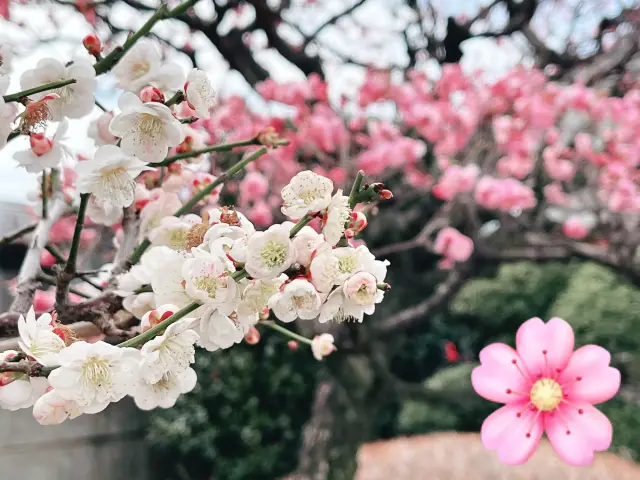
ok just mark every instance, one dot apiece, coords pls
pixel 453 245
pixel 547 387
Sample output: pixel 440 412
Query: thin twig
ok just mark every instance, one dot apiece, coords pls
pixel 187 207
pixel 224 147
pixel 12 237
pixel 18 96
pixel 66 275
pixel 409 317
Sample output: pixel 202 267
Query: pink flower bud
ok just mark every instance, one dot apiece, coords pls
pixel 358 222
pixel 93 44
pixel 151 94
pixel 293 345
pixel 253 336
pixel 386 194
pixel 40 144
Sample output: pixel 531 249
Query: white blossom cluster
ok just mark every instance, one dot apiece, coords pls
pixel 142 132
pixel 207 280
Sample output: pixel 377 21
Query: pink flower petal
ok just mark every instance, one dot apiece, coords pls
pixel 514 437
pixel 545 347
pixel 498 378
pixel 589 430
pixel 588 376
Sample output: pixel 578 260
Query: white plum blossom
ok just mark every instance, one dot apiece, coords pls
pixel 142 66
pixel 52 409
pixel 37 338
pixel 18 390
pixel 270 253
pixel 221 238
pixel 324 270
pixel 109 176
pixel 74 100
pixel 168 283
pixel 338 214
pixel 220 331
pixel 351 302
pixel 95 374
pixel 200 94
pixel 173 231
pixel 322 345
pixel 103 213
pixel 173 351
pixel 255 297
pixel 6 57
pixel 353 260
pixel 140 303
pixel 99 130
pixel 306 242
pixel 362 289
pixel 153 212
pixel 147 130
pixel 165 392
pixel 7 112
pixel 231 217
pixel 307 192
pixel 44 153
pixel 208 281
pixel 298 299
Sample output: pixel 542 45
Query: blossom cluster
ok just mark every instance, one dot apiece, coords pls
pixel 228 277
pixel 201 275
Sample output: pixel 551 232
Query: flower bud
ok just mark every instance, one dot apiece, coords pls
pixel 358 222
pixel 40 144
pixel 253 336
pixel 293 345
pixel 386 194
pixel 151 94
pixel 93 44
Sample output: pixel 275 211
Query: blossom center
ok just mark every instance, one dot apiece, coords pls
pixel 140 69
pixel 178 238
pixel 309 196
pixel 273 254
pixel 97 372
pixel 546 394
pixel 206 284
pixel 65 93
pixel 347 264
pixel 302 302
pixel 150 125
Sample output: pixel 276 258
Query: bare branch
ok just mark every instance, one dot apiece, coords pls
pixel 32 369
pixel 27 278
pixel 331 21
pixel 409 317
pixel 12 237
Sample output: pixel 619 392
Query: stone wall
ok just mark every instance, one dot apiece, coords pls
pixel 106 446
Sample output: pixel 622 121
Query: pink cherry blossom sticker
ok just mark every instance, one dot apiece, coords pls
pixel 546 387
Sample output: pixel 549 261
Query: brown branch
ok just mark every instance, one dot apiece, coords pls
pixel 602 65
pixel 27 278
pixel 412 316
pixel 130 227
pixel 12 237
pixel 268 20
pixel 32 369
pixel 331 21
pixel 94 311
